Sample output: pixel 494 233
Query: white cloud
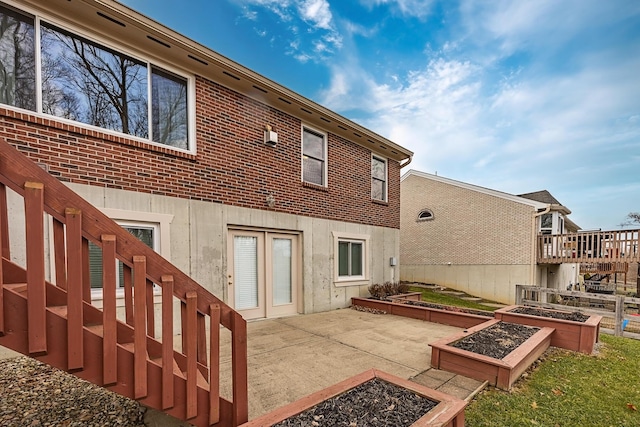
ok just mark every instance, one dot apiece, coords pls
pixel 417 8
pixel 318 12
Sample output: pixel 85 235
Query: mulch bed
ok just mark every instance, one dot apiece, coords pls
pixel 564 315
pixel 448 308
pixel 375 403
pixel 35 394
pixel 496 341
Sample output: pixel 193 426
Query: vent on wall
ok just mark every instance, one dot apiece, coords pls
pixel 108 18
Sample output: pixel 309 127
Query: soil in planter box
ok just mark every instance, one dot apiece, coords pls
pixel 574 316
pixel 497 340
pixel 448 308
pixel 374 403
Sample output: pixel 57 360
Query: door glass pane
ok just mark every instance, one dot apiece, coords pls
pixel 245 271
pixel 356 259
pixel 281 254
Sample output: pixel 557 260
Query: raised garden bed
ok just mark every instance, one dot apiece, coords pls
pixel 573 331
pixel 524 347
pixel 373 398
pixel 452 316
pixel 407 296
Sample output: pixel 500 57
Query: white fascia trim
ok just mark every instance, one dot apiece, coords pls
pixel 467 186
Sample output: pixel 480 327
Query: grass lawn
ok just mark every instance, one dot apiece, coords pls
pixel 569 389
pixel 439 298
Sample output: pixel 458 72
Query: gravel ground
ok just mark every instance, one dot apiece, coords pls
pixel 35 394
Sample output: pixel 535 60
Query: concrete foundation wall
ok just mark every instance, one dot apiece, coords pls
pixel 198 232
pixel 493 282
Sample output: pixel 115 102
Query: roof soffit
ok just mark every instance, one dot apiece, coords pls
pixel 122 25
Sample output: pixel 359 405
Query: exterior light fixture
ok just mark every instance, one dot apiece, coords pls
pixel 270 137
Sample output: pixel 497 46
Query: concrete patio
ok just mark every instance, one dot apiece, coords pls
pixel 292 357
pixel 289 358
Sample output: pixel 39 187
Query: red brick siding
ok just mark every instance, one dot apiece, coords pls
pixel 232 164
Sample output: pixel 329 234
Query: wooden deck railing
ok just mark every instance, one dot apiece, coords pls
pixel 593 247
pixel 73 223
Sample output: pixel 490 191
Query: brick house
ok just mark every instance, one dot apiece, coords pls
pixel 478 240
pixel 274 203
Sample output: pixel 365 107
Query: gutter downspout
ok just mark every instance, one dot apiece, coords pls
pixel 534 235
pixel 406 163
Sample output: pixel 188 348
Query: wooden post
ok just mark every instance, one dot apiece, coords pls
pixel 519 294
pixel 619 314
pixel 109 321
pixel 140 326
pixel 167 342
pixel 239 369
pixel 214 364
pixel 59 254
pixel 192 356
pixel 75 345
pixel 36 290
pixel 4 222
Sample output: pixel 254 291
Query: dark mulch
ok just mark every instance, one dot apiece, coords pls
pixel 564 315
pixel 497 340
pixel 374 403
pixel 448 308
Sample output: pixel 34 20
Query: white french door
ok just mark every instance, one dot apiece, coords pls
pixel 263 273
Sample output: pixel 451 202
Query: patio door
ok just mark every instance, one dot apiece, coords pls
pixel 263 273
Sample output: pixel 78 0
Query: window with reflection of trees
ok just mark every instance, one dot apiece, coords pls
pixel 87 82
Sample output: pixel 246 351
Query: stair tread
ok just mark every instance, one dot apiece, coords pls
pixel 15 287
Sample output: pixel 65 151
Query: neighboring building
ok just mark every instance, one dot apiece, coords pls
pixel 478 240
pixel 274 203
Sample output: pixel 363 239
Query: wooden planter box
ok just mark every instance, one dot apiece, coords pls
pixel 407 296
pixel 449 412
pixel 435 315
pixel 576 336
pixel 501 373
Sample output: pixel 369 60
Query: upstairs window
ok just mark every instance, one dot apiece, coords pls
pixel 87 82
pixel 546 223
pixel 314 154
pixel 378 178
pixel 17 60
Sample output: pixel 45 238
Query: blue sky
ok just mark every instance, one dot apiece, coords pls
pixel 517 96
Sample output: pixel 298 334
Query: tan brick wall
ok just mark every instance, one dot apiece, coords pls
pixel 232 165
pixel 469 227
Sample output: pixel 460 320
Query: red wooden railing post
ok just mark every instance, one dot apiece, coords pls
pixel 140 326
pixel 75 344
pixel 109 326
pixel 128 294
pixel 4 223
pixel 192 356
pixel 60 257
pixel 167 342
pixel 3 233
pixel 36 291
pixel 214 364
pixel 239 368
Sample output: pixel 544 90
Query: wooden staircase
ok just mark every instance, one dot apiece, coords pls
pixel 52 319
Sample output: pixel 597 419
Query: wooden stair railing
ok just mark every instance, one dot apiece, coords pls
pixel 54 320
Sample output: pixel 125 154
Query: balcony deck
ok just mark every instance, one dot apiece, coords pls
pixel 614 247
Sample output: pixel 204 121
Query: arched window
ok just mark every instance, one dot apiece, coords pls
pixel 425 215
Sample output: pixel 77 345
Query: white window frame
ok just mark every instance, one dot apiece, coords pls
pixel 191 90
pixel 161 239
pixel 386 177
pixel 364 279
pixel 325 174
